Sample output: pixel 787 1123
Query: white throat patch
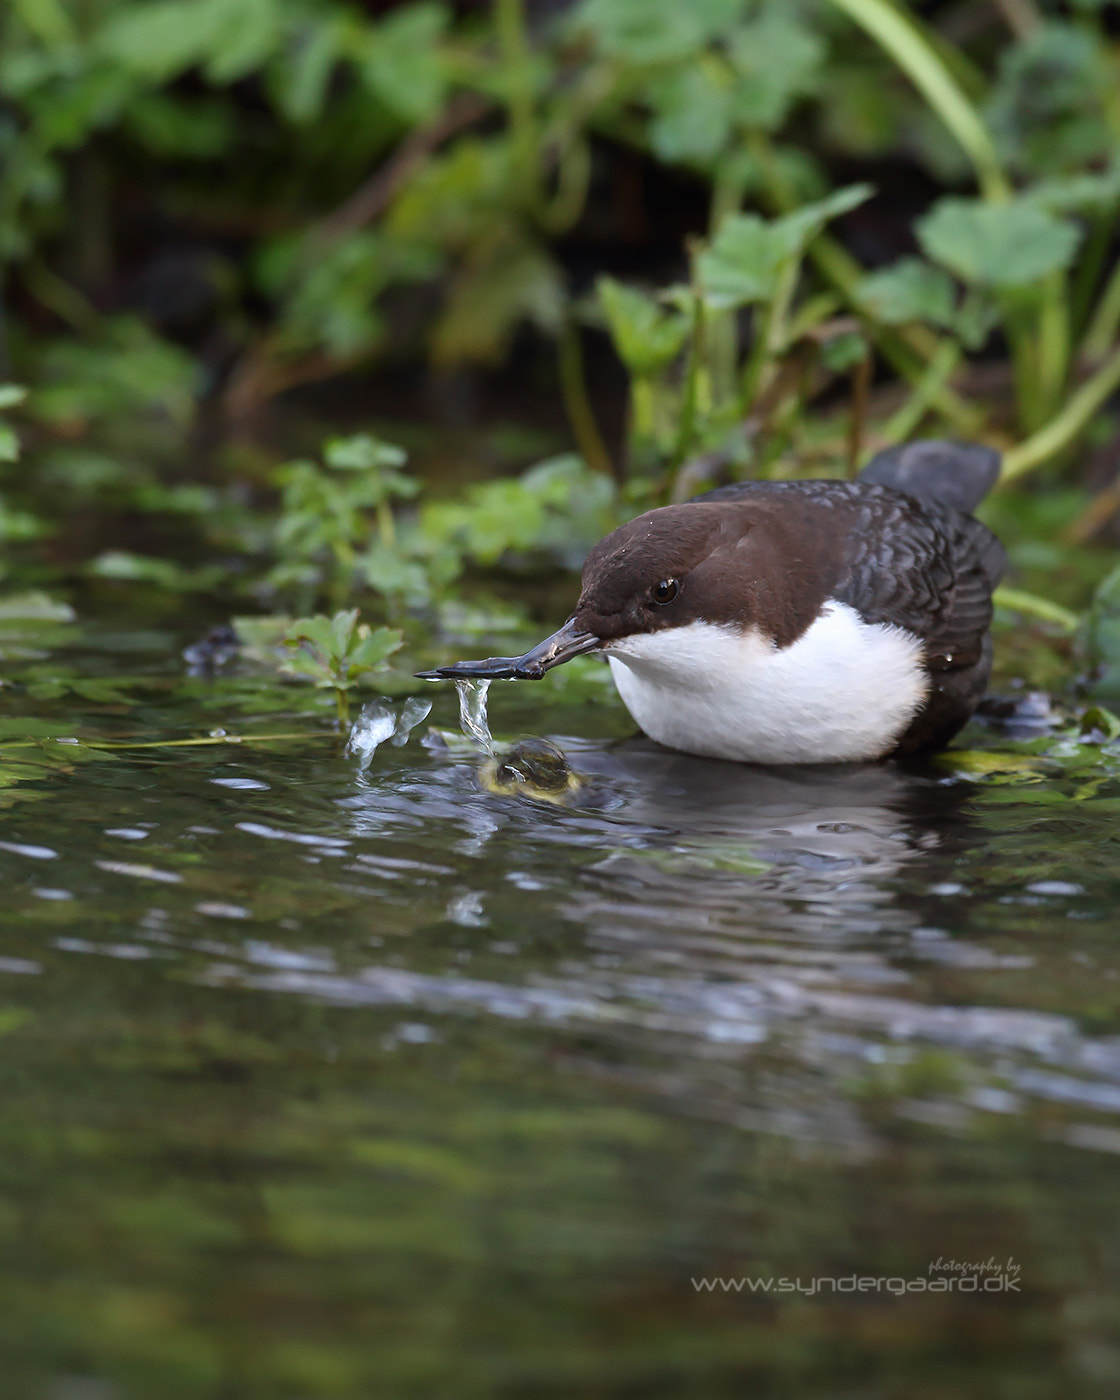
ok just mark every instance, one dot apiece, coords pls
pixel 846 689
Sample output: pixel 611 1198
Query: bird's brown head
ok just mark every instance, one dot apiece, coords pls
pixel 719 563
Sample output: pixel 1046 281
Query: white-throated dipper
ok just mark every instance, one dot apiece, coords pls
pixel 795 621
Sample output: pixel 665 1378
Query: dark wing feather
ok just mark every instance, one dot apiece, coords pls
pixel 918 564
pixel 913 563
pixel 925 567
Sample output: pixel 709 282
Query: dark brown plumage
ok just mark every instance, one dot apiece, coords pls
pixel 898 547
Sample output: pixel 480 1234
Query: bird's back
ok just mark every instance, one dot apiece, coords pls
pixel 913 558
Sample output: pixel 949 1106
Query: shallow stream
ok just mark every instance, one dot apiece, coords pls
pixel 693 1080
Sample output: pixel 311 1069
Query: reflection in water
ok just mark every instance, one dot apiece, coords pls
pixel 737 907
pixel 321 1076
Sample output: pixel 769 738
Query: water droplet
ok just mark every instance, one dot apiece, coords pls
pixel 472 712
pixel 373 726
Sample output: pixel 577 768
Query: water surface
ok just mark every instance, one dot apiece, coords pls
pixel 330 1082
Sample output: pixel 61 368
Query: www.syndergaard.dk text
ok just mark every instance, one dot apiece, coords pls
pixel 855 1283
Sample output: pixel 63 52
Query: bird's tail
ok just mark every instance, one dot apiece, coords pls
pixel 956 474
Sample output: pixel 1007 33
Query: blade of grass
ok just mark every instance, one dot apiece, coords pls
pixel 1105 323
pixel 1066 426
pixel 900 426
pixel 573 389
pixel 902 38
pixel 1031 603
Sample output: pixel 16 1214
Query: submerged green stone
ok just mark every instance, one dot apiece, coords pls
pixel 531 768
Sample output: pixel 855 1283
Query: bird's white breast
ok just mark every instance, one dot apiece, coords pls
pixel 846 689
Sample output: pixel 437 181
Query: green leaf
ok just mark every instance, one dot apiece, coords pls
pixel 11 395
pixel 203 127
pixel 909 290
pixel 331 300
pixel 741 266
pixel 693 111
pixel 403 63
pixel 47 20
pixel 126 567
pixel 249 31
pixel 31 727
pixel 976 319
pixel 1094 193
pixel 794 231
pixel 374 646
pixel 998 245
pixel 1096 717
pixel 127 371
pixel 34 607
pixel 843 352
pixel 657 31
pixel 261 634
pixel 1048 108
pixel 335 651
pixel 647 337
pixel 317 630
pixel 19 524
pixel 362 453
pixel 160 38
pixel 777 58
pixel 302 77
pixel 992 765
pixel 9 444
pixel 342 631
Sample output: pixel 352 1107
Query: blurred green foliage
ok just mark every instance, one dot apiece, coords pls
pixel 903 221
pixel 335 652
pixel 322 158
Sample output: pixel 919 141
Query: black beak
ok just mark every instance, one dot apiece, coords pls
pixel 569 641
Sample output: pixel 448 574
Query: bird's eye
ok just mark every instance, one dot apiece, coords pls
pixel 665 591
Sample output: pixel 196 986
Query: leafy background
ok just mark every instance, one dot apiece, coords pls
pixel 531 266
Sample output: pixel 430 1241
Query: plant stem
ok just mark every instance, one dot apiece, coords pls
pixel 691 385
pixel 901 37
pixel 1101 334
pixel 1065 427
pixel 896 347
pixel 386 525
pixel 1022 16
pixel 861 387
pixel 643 408
pixel 509 16
pixel 901 424
pixel 837 265
pixel 57 295
pixel 1018 601
pixel 1090 265
pixel 1096 514
pixel 1024 364
pixel 1053 342
pixel 573 389
pixel 573 175
pixel 756 360
pixel 209 742
pixel 770 333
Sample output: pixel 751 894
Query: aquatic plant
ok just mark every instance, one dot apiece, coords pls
pixel 336 652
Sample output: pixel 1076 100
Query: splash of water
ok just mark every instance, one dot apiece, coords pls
pixel 412 712
pixel 472 713
pixel 378 722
